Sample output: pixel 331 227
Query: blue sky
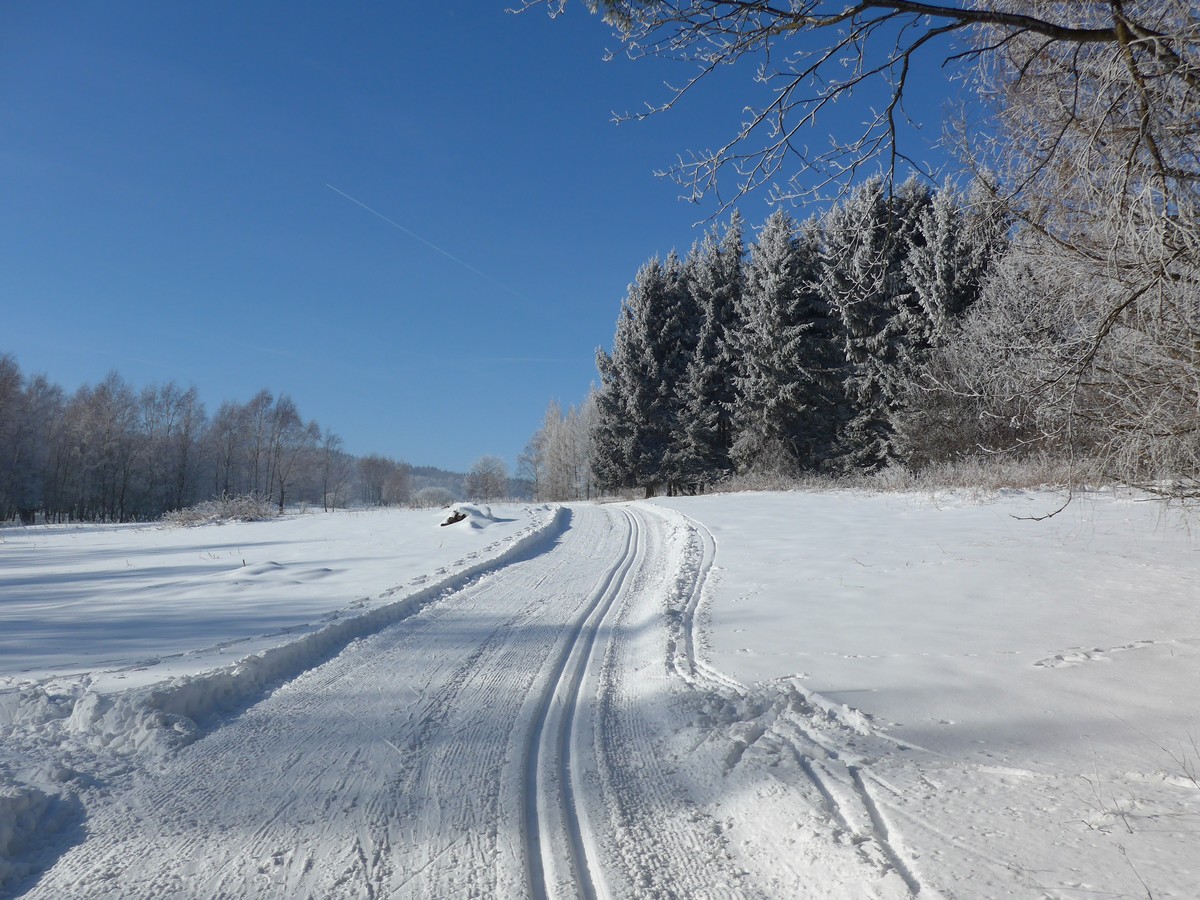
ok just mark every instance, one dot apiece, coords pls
pixel 416 219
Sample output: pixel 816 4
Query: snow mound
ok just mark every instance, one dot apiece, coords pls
pixel 475 516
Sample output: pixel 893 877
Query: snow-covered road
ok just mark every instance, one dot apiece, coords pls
pixel 490 745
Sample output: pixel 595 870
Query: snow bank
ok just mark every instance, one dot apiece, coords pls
pixel 477 516
pixel 170 712
pixel 62 715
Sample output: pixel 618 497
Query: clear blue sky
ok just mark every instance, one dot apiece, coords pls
pixel 166 208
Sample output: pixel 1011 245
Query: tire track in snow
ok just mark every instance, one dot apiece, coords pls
pixel 551 797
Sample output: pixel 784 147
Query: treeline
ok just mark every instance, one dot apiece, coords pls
pixel 793 355
pixel 906 327
pixel 110 453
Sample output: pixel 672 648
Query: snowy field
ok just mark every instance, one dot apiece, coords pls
pixel 139 603
pixel 1040 679
pixel 760 695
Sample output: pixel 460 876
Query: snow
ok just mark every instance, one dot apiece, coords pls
pixel 135 603
pixel 1043 675
pixel 800 694
pixel 1019 634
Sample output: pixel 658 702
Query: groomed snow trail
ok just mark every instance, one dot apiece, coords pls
pixel 551 729
pixel 455 753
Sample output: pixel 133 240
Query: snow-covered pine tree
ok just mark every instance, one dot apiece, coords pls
pixel 708 391
pixel 673 330
pixel 789 386
pixel 636 405
pixel 866 240
pixel 611 428
pixel 956 240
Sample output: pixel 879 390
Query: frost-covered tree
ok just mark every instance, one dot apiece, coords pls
pixel 612 428
pixel 637 402
pixel 674 330
pixel 112 453
pixel 1087 128
pixel 174 422
pixel 432 497
pixel 488 479
pixel 707 393
pixel 957 240
pixel 866 239
pixel 558 458
pixel 790 386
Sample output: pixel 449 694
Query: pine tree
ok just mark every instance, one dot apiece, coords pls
pixel 708 391
pixel 866 241
pixel 956 240
pixel 672 328
pixel 611 430
pixel 960 238
pixel 637 403
pixel 791 365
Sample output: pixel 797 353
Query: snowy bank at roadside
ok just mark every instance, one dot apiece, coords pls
pixel 120 636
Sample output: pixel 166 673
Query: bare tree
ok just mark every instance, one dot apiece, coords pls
pixel 292 441
pixel 335 467
pixel 174 422
pixel 373 474
pixel 398 487
pixel 810 54
pixel 488 479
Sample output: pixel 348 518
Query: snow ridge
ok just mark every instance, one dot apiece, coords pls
pixel 171 713
pixel 150 721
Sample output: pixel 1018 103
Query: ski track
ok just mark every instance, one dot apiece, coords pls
pixel 517 737
pixel 786 723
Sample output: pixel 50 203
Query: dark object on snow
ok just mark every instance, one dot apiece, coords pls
pixel 456 516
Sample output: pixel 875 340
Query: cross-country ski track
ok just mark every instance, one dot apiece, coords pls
pixel 602 701
pixel 544 728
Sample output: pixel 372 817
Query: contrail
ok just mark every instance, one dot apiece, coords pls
pixel 430 244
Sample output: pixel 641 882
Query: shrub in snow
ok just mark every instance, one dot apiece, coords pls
pixel 982 475
pixel 247 508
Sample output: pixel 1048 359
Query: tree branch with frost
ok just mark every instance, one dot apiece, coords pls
pixel 814 53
